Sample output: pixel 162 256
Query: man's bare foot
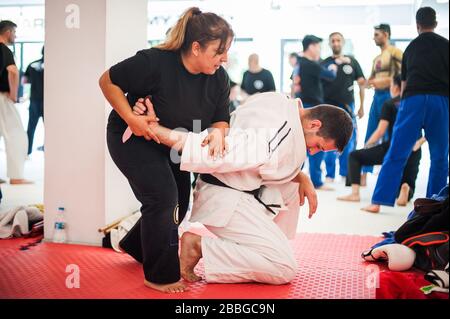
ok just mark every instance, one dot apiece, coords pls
pixel 363 180
pixel 350 198
pixel 402 199
pixel 325 187
pixel 167 288
pixel 190 254
pixel 329 180
pixel 372 208
pixel 21 181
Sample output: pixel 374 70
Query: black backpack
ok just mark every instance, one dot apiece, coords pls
pixel 427 233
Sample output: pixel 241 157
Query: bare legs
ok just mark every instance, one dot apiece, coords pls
pixel 402 199
pixel 354 196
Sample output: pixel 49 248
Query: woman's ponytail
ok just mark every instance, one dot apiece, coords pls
pixel 176 36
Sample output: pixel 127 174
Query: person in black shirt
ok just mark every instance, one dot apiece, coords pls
pixel 307 85
pixel 374 153
pixel 425 72
pixel 257 79
pixel 189 90
pixel 34 74
pixel 10 123
pixel 340 93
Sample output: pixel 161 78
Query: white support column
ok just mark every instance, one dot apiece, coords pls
pixel 82 39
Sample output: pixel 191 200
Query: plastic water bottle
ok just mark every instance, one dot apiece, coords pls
pixel 59 235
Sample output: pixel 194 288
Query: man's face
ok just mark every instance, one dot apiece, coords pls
pixel 336 44
pixel 315 49
pixel 293 61
pixel 314 142
pixel 11 36
pixel 380 37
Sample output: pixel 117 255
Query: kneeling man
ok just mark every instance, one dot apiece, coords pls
pixel 249 197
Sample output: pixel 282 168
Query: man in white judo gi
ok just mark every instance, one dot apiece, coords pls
pixel 250 197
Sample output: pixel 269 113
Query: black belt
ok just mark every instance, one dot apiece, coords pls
pixel 207 178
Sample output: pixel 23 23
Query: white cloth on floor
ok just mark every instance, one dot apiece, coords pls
pixel 266 148
pixel 16 140
pixel 122 229
pixel 15 222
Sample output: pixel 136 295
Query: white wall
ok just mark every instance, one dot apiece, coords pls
pixel 79 174
pixel 124 37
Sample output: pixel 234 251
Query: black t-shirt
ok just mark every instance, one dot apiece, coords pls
pixel 35 76
pixel 178 96
pixel 389 113
pixel 6 59
pixel 341 90
pixel 258 82
pixel 307 78
pixel 425 65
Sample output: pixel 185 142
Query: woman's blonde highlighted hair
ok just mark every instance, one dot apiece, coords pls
pixel 196 26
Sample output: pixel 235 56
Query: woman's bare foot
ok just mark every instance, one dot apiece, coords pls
pixel 191 252
pixel 350 198
pixel 167 288
pixel 21 181
pixel 325 187
pixel 372 208
pixel 402 199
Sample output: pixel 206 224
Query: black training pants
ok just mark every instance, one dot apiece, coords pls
pixel 163 191
pixel 374 156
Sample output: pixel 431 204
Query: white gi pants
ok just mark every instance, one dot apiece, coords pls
pixel 250 248
pixel 16 141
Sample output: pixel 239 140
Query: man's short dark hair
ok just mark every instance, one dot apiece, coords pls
pixel 310 39
pixel 384 27
pixel 397 80
pixel 336 33
pixel 337 124
pixel 426 17
pixel 6 25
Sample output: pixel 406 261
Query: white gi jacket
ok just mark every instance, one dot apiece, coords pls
pixel 266 147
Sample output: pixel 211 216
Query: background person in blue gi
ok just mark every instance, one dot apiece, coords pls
pixel 373 153
pixel 385 66
pixel 425 72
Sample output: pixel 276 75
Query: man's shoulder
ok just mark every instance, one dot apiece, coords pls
pixel 36 65
pixel 4 49
pixel 395 51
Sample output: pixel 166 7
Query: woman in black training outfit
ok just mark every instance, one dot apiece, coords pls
pixel 186 82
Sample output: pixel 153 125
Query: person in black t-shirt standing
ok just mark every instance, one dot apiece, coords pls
pixel 374 153
pixel 34 75
pixel 340 93
pixel 307 85
pixel 257 79
pixel 189 89
pixel 425 72
pixel 10 123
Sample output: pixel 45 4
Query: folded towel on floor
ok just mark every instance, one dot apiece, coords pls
pixel 16 222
